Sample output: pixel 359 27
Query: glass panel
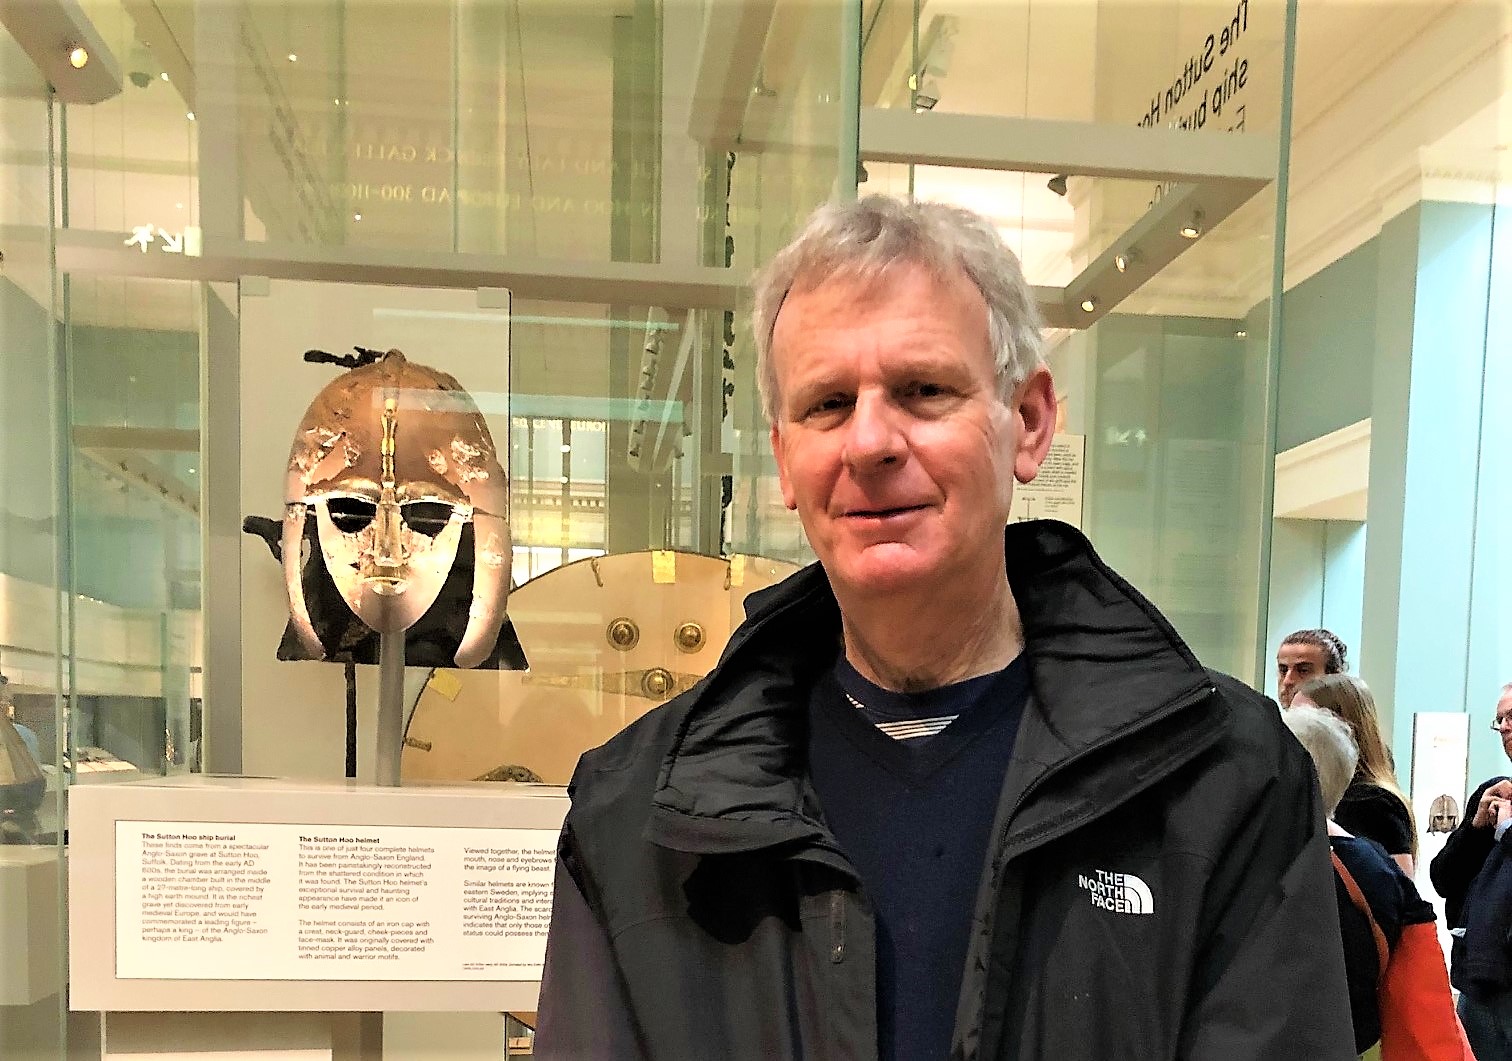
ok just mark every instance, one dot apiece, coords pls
pixel 31 548
pixel 601 134
pixel 1212 65
pixel 1169 380
pixel 133 354
pixel 133 158
pixel 800 156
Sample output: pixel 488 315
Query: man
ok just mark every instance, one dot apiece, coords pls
pixel 1473 873
pixel 950 792
pixel 1307 654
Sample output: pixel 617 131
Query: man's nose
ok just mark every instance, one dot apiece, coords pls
pixel 875 435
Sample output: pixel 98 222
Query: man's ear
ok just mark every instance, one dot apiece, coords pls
pixel 1034 412
pixel 788 497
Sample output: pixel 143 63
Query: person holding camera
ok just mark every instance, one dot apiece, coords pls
pixel 1474 875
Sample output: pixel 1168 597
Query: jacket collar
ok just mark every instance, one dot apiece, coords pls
pixel 1106 668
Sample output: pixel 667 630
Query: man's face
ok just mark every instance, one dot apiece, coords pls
pixel 891 440
pixel 1504 710
pixel 1295 664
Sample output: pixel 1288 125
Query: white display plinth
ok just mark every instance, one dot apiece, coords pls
pixel 30 926
pixel 251 894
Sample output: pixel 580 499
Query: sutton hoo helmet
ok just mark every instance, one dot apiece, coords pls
pixel 394 459
pixel 1443 814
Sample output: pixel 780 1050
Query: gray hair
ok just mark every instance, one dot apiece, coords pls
pixel 1332 746
pixel 863 240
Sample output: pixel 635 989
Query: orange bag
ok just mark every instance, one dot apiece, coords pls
pixel 1418 1022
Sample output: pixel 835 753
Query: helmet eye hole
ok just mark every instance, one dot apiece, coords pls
pixel 351 514
pixel 426 517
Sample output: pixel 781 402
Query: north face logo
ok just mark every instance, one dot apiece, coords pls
pixel 1122 893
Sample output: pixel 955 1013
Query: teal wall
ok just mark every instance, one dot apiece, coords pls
pixel 1317 578
pixel 1327 347
pixel 1414 330
pixel 1489 656
pixel 1436 634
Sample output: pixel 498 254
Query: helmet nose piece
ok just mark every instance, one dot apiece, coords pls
pixel 387 570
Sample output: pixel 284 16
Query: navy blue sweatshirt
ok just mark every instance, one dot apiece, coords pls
pixel 913 816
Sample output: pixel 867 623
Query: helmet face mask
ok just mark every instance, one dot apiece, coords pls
pixel 394 460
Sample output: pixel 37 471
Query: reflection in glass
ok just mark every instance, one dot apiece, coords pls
pixel 33 545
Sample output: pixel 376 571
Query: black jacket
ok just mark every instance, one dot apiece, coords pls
pixel 1473 873
pixel 703 910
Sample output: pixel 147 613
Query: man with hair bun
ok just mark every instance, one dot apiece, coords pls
pixel 957 790
pixel 1306 654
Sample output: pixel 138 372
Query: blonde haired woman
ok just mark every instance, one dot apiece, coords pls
pixel 1374 805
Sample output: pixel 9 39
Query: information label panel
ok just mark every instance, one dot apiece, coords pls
pixel 1056 492
pixel 262 901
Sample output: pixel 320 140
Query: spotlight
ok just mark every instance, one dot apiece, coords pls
pixel 293 58
pixel 926 93
pixel 1240 334
pixel 936 47
pixel 1193 228
pixel 164 75
pixel 356 217
pixel 1088 304
pixel 78 57
pixel 1124 260
pixel 190 116
pixel 1057 184
pixel 142 67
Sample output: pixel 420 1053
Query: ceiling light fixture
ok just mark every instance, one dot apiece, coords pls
pixel 1123 261
pixel 293 58
pixel 78 57
pixel 1088 304
pixel 164 75
pixel 190 116
pixel 356 217
pixel 1240 334
pixel 1193 228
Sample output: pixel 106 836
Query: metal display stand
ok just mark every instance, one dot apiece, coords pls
pixel 390 708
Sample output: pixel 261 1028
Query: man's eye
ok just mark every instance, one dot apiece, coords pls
pixel 832 404
pixel 926 390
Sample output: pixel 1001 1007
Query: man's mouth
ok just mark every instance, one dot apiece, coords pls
pixel 882 513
